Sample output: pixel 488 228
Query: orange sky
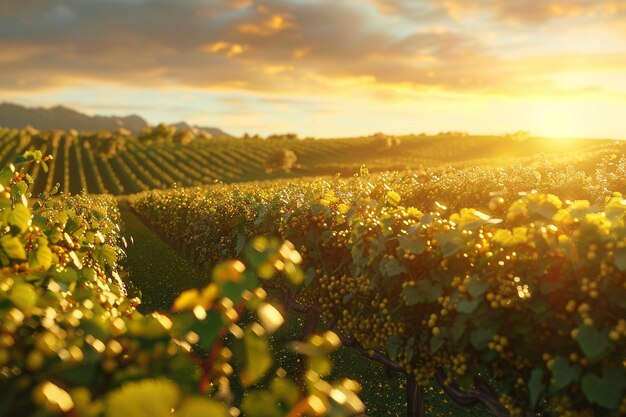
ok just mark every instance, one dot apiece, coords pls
pixel 326 67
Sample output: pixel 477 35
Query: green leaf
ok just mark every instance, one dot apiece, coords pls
pixel 233 288
pixel 258 358
pixel 476 286
pixel 148 327
pixel 54 235
pixel 593 343
pixel 320 365
pixel 260 404
pixel 145 398
pixel 209 328
pixel 423 291
pixel 563 372
pixel 5 175
pixel 605 391
pixel 285 390
pixel 88 274
pixel 258 251
pixel 241 242
pixel 614 293
pixel 40 257
pixel 393 345
pixel 105 253
pixel 391 267
pixel 202 406
pixel 19 217
pixel 13 247
pixel 458 328
pixel 414 245
pixel 66 276
pixel 18 190
pixel 435 344
pixel 309 276
pixel 96 327
pixel 5 203
pixel 72 225
pixel 467 307
pixel 449 248
pixel 23 296
pixel 481 337
pixel 619 259
pixel 535 386
pixel 450 242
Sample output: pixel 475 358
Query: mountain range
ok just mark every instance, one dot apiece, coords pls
pixel 16 116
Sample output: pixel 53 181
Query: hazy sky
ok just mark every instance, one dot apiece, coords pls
pixel 326 67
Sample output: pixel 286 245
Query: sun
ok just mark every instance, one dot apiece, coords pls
pixel 554 121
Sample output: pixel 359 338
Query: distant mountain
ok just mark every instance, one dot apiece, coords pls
pixel 60 117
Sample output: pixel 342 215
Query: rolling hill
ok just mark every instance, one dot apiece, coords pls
pixel 123 164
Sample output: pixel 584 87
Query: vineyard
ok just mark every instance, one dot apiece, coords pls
pixel 73 342
pixel 119 164
pixel 528 291
pixel 490 271
pixel 304 208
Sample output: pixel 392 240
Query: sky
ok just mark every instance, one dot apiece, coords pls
pixel 326 68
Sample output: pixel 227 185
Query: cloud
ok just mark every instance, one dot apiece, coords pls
pixel 269 23
pixel 518 11
pixel 535 11
pixel 318 47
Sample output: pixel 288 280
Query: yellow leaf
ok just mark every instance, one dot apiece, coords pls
pixel 145 398
pixel 393 198
pixel 199 406
pixel 187 300
pixel 228 271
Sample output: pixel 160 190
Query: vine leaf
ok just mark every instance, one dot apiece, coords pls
pixel 258 358
pixel 535 386
pixel 593 343
pixel 563 372
pixel 605 391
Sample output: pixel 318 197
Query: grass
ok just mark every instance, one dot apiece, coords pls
pixel 155 268
pixel 161 273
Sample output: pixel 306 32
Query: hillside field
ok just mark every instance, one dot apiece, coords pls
pixel 117 164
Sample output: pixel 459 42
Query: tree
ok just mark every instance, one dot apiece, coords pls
pixel 383 142
pixel 184 137
pixel 280 160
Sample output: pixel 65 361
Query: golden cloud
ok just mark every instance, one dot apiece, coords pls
pixel 270 24
pixel 223 47
pixel 323 47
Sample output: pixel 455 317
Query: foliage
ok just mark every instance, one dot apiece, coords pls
pixel 72 342
pixel 281 160
pixel 289 136
pixel 528 289
pixel 382 142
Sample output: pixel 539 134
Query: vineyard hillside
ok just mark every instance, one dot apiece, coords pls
pixel 162 157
